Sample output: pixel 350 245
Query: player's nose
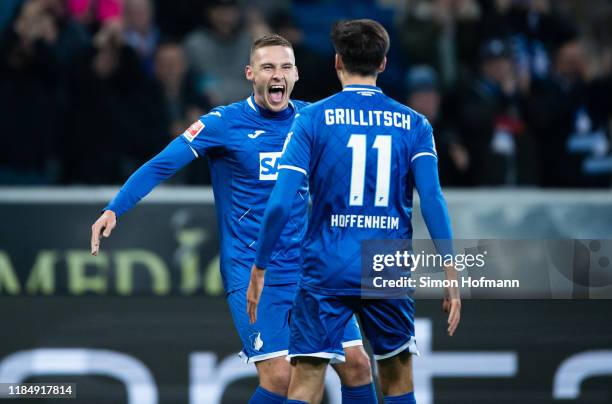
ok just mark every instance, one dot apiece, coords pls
pixel 277 74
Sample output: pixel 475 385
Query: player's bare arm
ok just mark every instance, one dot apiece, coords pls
pixel 103 226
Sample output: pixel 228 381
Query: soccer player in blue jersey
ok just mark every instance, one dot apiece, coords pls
pixel 362 153
pixel 243 142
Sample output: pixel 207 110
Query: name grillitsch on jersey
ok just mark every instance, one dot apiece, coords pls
pixel 347 116
pixel 365 221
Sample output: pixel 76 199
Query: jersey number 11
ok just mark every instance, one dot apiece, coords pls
pixel 383 169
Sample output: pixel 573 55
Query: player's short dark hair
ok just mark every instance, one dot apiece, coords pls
pixel 361 44
pixel 270 40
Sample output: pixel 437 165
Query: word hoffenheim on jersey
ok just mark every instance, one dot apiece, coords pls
pixel 364 221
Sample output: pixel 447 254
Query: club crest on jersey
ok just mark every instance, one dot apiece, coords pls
pixel 194 130
pixel 268 165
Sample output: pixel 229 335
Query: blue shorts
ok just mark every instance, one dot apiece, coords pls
pixel 318 322
pixel 269 336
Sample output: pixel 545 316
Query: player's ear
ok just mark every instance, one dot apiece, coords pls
pixel 248 72
pixel 337 62
pixel 382 66
pixel 297 74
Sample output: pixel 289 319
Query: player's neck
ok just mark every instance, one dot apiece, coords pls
pixel 354 79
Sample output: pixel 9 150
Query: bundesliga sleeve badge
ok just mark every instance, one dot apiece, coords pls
pixel 194 130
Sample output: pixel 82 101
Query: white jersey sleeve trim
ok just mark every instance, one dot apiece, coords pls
pixel 294 168
pixel 416 156
pixel 355 342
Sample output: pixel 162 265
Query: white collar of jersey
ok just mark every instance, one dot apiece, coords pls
pixel 250 102
pixel 357 87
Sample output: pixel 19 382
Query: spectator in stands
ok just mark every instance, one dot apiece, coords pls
pixel 533 27
pixel 71 39
pixel 114 106
pixel 35 56
pixel 93 13
pixel 566 113
pixel 8 8
pixel 184 105
pixel 491 121
pixel 423 95
pixel 443 34
pixel 139 30
pixel 317 80
pixel 217 53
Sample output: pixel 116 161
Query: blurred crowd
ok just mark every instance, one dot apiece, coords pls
pixel 519 92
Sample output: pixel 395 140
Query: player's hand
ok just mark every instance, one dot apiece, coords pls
pixel 104 225
pixel 452 306
pixel 452 303
pixel 256 285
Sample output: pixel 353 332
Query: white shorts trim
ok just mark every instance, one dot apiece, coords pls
pixel 259 358
pixel 410 345
pixel 333 357
pixel 355 342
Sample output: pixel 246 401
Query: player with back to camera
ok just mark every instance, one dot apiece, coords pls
pixel 362 153
pixel 238 139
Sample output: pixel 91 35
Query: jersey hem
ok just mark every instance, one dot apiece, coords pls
pixel 330 291
pixel 279 282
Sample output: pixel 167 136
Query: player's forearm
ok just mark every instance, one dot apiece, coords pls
pixel 277 214
pixel 174 157
pixel 433 205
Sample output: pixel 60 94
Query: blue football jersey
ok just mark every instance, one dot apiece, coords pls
pixel 244 143
pixel 356 147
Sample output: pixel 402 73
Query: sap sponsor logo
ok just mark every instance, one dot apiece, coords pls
pixel 268 165
pixel 194 130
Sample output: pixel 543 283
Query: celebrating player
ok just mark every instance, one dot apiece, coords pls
pixel 243 142
pixel 362 153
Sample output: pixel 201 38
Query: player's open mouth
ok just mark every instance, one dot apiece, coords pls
pixel 276 93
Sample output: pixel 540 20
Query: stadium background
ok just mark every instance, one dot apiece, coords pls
pixel 518 93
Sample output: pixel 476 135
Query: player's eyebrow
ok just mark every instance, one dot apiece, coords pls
pixel 270 64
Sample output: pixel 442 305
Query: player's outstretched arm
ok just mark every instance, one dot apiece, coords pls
pixel 435 214
pixel 174 157
pixel 275 218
